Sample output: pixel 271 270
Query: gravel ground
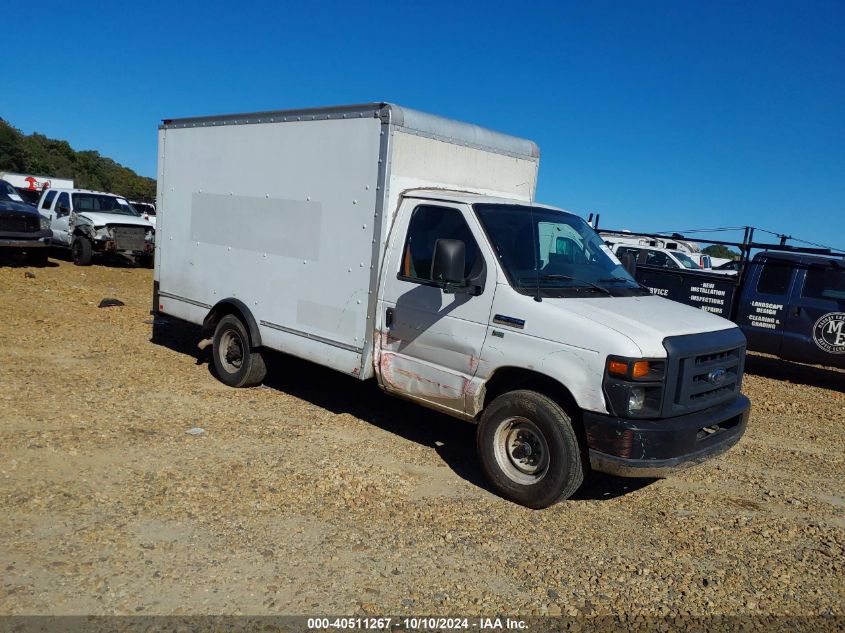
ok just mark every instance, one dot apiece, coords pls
pixel 316 494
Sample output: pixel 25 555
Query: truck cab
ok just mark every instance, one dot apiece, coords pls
pixel 793 306
pixel 481 298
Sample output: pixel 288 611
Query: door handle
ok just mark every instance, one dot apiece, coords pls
pixel 796 311
pixel 388 318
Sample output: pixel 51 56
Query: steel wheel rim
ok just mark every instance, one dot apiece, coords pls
pixel 231 351
pixel 521 450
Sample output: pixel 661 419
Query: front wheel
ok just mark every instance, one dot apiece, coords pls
pixel 529 450
pixel 81 251
pixel 236 363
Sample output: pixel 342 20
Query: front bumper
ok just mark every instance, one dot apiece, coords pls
pixel 655 448
pixel 33 239
pixel 110 246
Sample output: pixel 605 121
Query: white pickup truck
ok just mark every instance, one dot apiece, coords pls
pixel 403 247
pixel 96 222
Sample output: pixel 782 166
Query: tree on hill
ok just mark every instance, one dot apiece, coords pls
pixel 37 154
pixel 718 250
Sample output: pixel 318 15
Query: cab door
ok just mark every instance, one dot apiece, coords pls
pixel 45 208
pixel 61 217
pixel 762 313
pixel 429 340
pixel 815 322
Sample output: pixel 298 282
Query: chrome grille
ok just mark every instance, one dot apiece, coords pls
pixel 129 238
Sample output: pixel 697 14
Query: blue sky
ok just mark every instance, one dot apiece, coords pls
pixel 660 116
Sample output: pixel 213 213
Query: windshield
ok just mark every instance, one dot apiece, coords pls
pixel 102 203
pixel 9 193
pixel 553 254
pixel 686 260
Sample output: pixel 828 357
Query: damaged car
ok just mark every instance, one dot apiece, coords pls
pixel 93 223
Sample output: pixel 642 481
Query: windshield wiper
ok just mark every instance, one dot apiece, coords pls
pixel 584 282
pixel 639 285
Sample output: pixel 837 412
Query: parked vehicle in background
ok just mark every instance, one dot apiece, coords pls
pixel 653 256
pixel 96 222
pixel 789 301
pixel 147 210
pixel 452 289
pixel 792 305
pixel 22 228
pixel 30 187
pixel 674 243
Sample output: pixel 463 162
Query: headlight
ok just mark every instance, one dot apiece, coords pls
pixel 150 236
pixel 45 223
pixel 103 233
pixel 633 387
pixel 636 399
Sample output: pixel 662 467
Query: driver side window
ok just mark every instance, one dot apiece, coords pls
pixel 656 258
pixel 63 202
pixel 429 224
pixel 48 201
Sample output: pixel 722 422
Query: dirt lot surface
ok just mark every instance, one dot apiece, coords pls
pixel 316 494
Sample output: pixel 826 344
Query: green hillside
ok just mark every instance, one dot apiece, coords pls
pixel 37 154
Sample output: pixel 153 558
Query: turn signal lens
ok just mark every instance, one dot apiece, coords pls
pixel 640 369
pixel 617 367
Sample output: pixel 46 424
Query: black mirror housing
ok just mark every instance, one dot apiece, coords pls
pixel 448 262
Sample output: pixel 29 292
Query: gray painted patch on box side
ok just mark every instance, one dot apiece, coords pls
pixel 290 228
pixel 326 318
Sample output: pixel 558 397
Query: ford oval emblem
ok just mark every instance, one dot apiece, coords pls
pixel 717 376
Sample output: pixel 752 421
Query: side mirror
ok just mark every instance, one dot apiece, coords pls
pixel 62 210
pixel 448 262
pixel 629 263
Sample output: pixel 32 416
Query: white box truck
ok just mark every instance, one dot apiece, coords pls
pixel 403 247
pixel 30 186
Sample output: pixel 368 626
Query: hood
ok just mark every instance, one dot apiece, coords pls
pixel 644 320
pixel 98 218
pixel 7 206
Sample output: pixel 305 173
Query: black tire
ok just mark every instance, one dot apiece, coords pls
pixel 37 257
pixel 236 363
pixel 145 261
pixel 81 251
pixel 529 450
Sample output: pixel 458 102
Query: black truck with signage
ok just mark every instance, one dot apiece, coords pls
pixel 788 301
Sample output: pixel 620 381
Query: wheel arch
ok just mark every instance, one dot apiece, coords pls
pixel 511 378
pixel 238 308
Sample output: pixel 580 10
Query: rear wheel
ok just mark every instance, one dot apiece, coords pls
pixel 81 251
pixel 529 450
pixel 235 362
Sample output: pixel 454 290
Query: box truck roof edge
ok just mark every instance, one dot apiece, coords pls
pixel 423 123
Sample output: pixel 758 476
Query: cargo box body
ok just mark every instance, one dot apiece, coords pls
pixel 288 213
